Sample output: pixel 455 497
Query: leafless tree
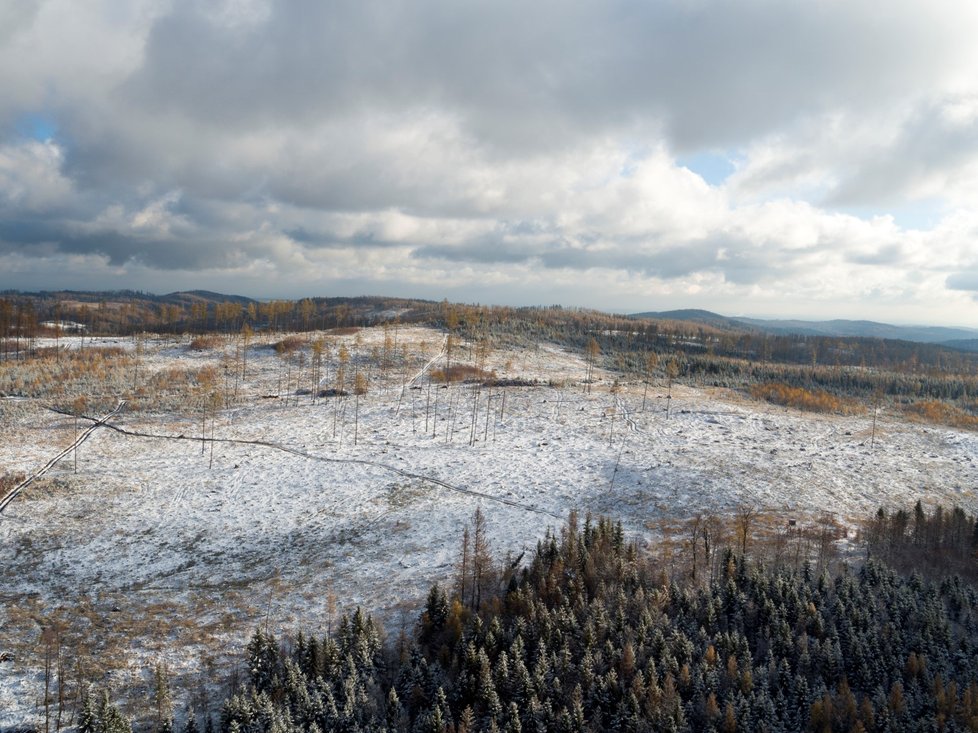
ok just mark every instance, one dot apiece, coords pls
pixel 359 389
pixel 672 371
pixel 77 409
pixel 746 513
pixel 651 362
pixel 591 353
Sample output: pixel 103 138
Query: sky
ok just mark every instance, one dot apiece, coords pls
pixel 795 158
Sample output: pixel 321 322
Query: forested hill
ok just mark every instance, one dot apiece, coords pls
pixel 592 636
pixel 834 328
pixel 716 352
pixel 198 311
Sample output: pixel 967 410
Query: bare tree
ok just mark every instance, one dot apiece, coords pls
pixel 317 366
pixel 226 365
pixel 451 324
pixel 672 371
pixel 746 513
pixel 359 389
pixel 481 558
pixel 344 357
pixel 214 405
pixel 591 353
pixel 206 395
pixel 246 334
pixel 475 414
pixel 464 563
pixel 51 638
pixel 877 399
pixel 713 535
pixel 77 409
pixel 651 362
pixel 162 698
pixel 693 528
pixel 427 405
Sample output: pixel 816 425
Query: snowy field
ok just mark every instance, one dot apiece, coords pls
pixel 169 552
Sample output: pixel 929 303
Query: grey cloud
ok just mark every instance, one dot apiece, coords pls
pixel 14 17
pixel 328 240
pixel 535 75
pixel 511 242
pixel 307 61
pixel 304 236
pixel 738 261
pixel 517 77
pixel 46 238
pixel 480 252
pixel 438 109
pixel 928 144
pixel 967 281
pixel 890 254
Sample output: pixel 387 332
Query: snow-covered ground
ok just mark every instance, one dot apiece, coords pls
pixel 177 554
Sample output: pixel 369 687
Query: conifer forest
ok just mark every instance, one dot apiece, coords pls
pixel 226 516
pixel 488 366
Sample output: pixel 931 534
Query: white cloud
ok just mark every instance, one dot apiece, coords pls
pixel 31 178
pixel 499 151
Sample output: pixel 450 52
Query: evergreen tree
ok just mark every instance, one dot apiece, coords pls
pixel 595 639
pixel 88 715
pixel 190 723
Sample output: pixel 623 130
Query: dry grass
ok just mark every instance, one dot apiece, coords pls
pixel 95 636
pixel 204 343
pixel 804 399
pixel 59 375
pixel 290 344
pixel 9 481
pixel 941 413
pixel 461 373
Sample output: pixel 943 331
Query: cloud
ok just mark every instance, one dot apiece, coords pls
pixel 967 281
pixel 524 76
pixel 434 147
pixel 31 177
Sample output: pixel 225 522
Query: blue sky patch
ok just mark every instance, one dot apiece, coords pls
pixel 712 167
pixel 921 215
pixel 37 126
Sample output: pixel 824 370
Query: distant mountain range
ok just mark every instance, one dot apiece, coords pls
pixel 94 296
pixel 965 339
pixel 370 308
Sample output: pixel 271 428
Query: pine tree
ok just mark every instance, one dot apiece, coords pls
pixel 466 721
pixel 88 716
pixel 190 725
pixel 163 699
pixel 393 712
pixel 262 660
pixel 513 724
pixel 108 718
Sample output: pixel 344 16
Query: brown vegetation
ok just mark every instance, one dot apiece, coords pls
pixel 290 344
pixel 803 399
pixel 941 413
pixel 204 343
pixel 695 546
pixel 460 373
pixel 939 543
pixel 9 481
pixel 58 375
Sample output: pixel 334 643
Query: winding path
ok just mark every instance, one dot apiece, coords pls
pixel 96 423
pixel 321 459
